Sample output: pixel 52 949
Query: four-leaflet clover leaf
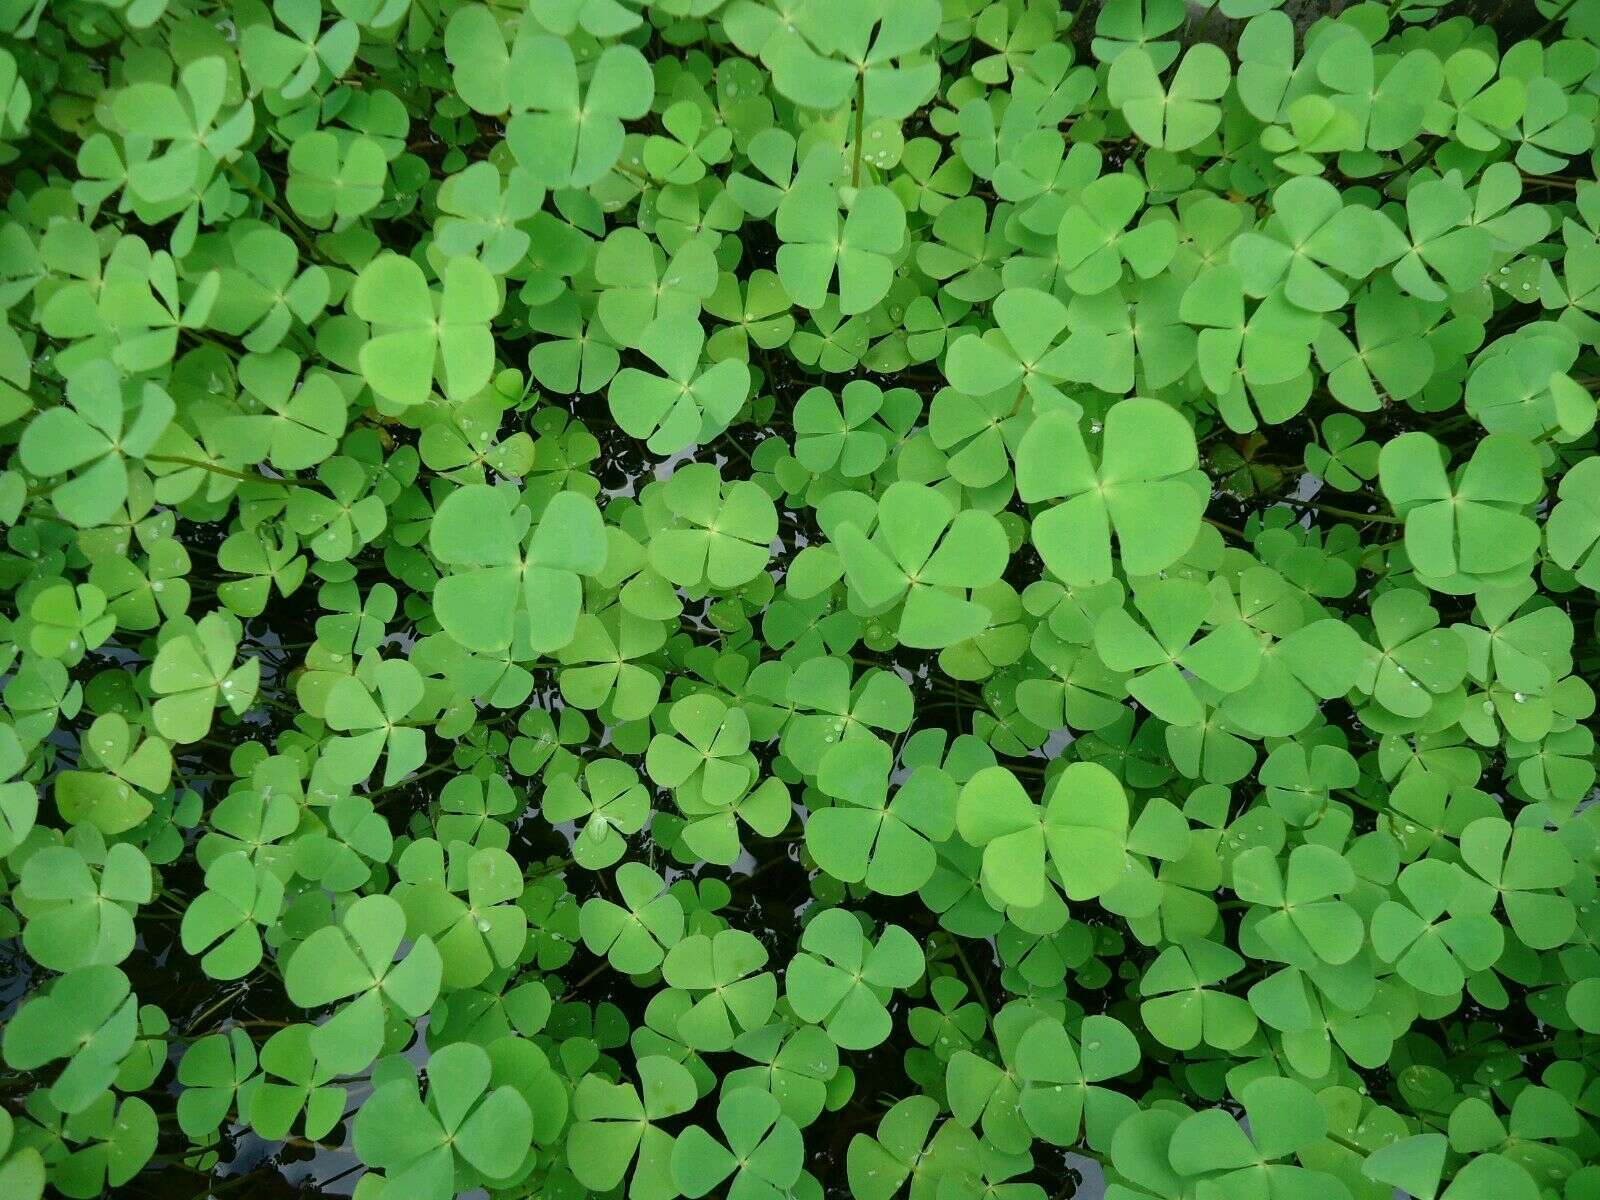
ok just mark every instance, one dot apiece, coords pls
pixel 599 668
pixel 1344 461
pixel 683 405
pixel 89 1017
pixel 831 46
pixel 727 530
pixel 418 333
pixel 925 556
pixel 1433 951
pixel 372 715
pixel 985 1094
pixel 636 934
pixel 683 156
pixel 609 804
pixel 290 1086
pixel 841 980
pixel 1525 866
pixel 568 133
pixel 19 799
pixel 303 419
pixel 1307 921
pixel 91 439
pixel 213 1071
pixel 333 184
pixel 1180 113
pixel 190 122
pixel 194 671
pixel 907 1144
pixel 470 1131
pixel 867 834
pixel 220 923
pixel 1474 528
pixel 1094 239
pixel 706 759
pixel 1314 238
pixel 861 249
pixel 81 913
pixel 1020 349
pixel 1166 653
pixel 357 958
pixel 1573 530
pixel 614 1126
pixel 1144 488
pixel 1414 660
pixel 764 1152
pixel 829 705
pixel 477 932
pixel 1173 1152
pixel 1183 1005
pixel 1060 1096
pixel 513 580
pixel 1083 825
pixel 110 799
pixel 795 1064
pixel 736 994
pixel 841 433
pixel 642 283
pixel 488 215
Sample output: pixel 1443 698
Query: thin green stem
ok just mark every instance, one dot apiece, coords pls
pixel 1422 152
pixel 551 868
pixel 1373 806
pixel 1232 530
pixel 1334 510
pixel 1559 16
pixel 436 769
pixel 861 113
pixel 588 979
pixel 301 233
pixel 200 464
pixel 1353 1147
pixel 972 975
pixel 1551 1044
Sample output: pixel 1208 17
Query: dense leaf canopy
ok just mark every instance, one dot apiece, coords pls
pixel 782 599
